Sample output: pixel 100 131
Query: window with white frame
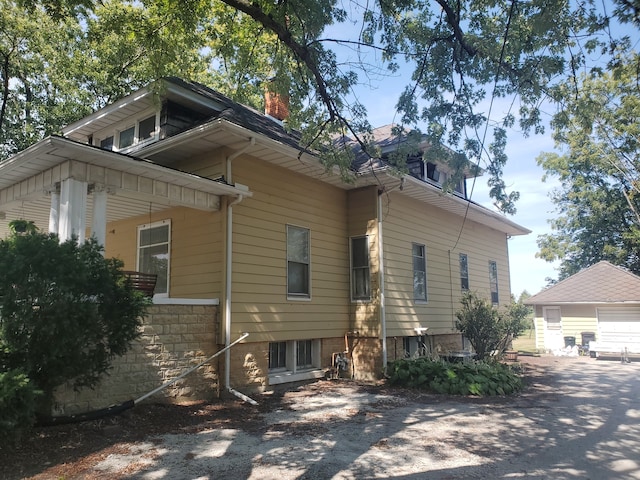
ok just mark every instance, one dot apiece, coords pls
pixel 360 269
pixel 146 128
pixel 493 281
pixel 298 262
pixel 107 143
pixel 126 137
pixel 154 247
pixel 418 253
pixel 415 346
pixel 141 131
pixel 464 272
pixel 294 356
pixel 277 356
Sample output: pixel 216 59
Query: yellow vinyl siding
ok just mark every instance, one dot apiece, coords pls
pixel 260 303
pixel 196 244
pixel 575 319
pixel 407 221
pixel 363 221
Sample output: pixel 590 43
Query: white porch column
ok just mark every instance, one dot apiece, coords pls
pixel 54 211
pixel 73 209
pixel 99 222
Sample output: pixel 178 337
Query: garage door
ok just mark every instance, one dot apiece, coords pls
pixel 619 325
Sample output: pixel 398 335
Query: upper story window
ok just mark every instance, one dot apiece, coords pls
pixel 419 273
pixel 432 173
pixel 298 262
pixel 140 132
pixel 154 247
pixel 126 137
pixel 360 270
pixel 107 143
pixel 464 272
pixel 493 281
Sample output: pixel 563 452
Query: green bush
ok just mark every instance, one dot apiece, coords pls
pixel 65 311
pixel 17 404
pixel 490 330
pixel 467 378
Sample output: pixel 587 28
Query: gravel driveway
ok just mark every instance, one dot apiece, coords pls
pixel 581 420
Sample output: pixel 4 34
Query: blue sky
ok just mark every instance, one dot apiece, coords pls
pixel 522 174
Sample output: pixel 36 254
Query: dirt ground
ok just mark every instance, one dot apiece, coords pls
pixel 578 418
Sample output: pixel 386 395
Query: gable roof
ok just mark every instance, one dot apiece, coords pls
pixel 600 283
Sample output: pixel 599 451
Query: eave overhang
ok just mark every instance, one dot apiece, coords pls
pixel 223 133
pixel 136 186
pixel 433 195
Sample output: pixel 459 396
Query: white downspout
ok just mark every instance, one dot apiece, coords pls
pixel 228 271
pixel 383 309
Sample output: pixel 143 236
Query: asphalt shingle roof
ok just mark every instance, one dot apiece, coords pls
pixel 600 283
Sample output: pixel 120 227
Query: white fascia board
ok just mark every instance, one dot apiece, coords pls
pixel 108 110
pixel 451 202
pixel 116 161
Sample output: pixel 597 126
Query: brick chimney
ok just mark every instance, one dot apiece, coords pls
pixel 276 105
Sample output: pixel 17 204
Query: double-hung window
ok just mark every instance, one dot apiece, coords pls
pixel 154 247
pixel 419 272
pixel 298 262
pixel 464 272
pixel 493 281
pixel 360 270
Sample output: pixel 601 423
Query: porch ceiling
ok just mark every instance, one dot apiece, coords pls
pixel 135 187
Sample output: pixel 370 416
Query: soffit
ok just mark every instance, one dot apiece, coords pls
pixel 433 196
pixel 136 187
pixel 222 133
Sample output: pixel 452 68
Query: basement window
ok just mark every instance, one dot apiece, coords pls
pixel 294 360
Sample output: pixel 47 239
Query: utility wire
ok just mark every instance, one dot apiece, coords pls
pixel 486 128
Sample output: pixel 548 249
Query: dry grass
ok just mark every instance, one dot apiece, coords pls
pixel 525 342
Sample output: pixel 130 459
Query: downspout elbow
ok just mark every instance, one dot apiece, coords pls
pixel 236 154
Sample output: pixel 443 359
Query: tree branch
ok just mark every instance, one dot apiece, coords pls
pixel 303 52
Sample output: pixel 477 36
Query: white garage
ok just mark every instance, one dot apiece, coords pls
pixel 619 327
pixel 602 301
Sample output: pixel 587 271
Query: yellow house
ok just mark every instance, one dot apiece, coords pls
pixel 250 234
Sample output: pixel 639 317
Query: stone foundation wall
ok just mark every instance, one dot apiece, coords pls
pixel 174 338
pixel 366 355
pixel 249 370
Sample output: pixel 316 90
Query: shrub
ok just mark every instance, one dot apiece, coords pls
pixel 490 330
pixel 17 404
pixel 65 311
pixel 467 378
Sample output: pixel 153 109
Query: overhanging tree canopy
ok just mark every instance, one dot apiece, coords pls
pixel 460 56
pixel 598 201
